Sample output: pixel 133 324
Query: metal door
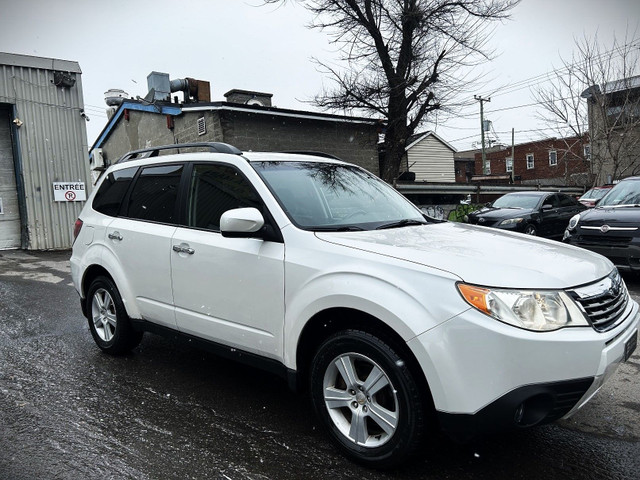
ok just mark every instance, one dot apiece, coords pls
pixel 9 211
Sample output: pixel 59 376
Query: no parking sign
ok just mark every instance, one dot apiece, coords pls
pixel 69 192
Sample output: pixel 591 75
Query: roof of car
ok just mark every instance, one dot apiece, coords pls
pixel 530 193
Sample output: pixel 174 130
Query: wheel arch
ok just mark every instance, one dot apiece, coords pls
pixel 333 320
pixel 93 271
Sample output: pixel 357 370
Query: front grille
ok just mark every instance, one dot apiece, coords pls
pixel 603 302
pixel 604 241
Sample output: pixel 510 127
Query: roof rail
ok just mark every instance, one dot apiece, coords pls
pixel 314 153
pixel 217 147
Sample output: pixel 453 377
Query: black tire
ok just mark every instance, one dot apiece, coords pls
pixel 531 230
pixel 397 392
pixel 108 319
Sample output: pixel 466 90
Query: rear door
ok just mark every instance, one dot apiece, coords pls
pixel 227 290
pixel 140 238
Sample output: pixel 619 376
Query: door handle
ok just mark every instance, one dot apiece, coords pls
pixel 183 249
pixel 115 236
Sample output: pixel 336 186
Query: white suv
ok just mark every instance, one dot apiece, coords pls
pixel 318 271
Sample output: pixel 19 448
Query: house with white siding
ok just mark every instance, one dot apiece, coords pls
pixel 430 158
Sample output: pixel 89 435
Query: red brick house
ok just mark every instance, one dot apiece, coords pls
pixel 554 161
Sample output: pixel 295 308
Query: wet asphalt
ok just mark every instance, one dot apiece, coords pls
pixel 169 411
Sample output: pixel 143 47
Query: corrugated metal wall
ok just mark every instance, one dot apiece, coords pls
pixel 52 143
pixel 432 161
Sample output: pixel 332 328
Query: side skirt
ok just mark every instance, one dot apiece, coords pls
pixel 225 351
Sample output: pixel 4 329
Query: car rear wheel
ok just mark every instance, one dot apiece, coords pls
pixel 108 320
pixel 367 398
pixel 530 230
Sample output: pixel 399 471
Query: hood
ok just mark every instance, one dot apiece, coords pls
pixel 482 256
pixel 619 217
pixel 489 213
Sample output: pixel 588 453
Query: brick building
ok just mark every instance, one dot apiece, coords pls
pixel 554 161
pixel 245 120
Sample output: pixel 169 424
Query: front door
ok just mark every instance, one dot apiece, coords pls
pixel 228 290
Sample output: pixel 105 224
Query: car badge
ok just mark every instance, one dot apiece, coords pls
pixel 605 228
pixel 481 220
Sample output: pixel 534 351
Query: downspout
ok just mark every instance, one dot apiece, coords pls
pixel 17 166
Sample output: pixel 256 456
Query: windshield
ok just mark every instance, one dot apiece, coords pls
pixel 517 201
pixel 327 196
pixel 595 193
pixel 625 193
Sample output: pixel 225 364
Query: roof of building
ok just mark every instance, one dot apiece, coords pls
pixel 29 61
pixel 418 137
pixel 607 88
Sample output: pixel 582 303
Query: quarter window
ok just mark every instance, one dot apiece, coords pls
pixel 530 163
pixel 112 190
pixel 155 193
pixel 214 190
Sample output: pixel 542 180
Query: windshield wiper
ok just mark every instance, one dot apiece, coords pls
pixel 339 228
pixel 401 223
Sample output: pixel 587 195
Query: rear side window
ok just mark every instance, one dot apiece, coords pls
pixel 214 190
pixel 155 193
pixel 112 191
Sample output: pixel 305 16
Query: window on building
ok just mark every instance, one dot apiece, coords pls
pixel 553 158
pixel 487 167
pixel 509 164
pixel 530 163
pixel 154 194
pixel 214 190
pixel 587 152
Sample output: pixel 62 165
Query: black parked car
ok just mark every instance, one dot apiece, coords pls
pixel 612 228
pixel 535 213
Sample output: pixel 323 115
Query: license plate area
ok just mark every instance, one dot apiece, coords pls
pixel 630 345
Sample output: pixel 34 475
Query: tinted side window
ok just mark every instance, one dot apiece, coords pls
pixel 155 193
pixel 112 191
pixel 552 200
pixel 567 201
pixel 214 190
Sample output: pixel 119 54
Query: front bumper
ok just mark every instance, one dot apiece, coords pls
pixel 624 255
pixel 486 376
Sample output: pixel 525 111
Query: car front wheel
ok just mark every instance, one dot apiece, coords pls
pixel 108 320
pixel 367 398
pixel 530 230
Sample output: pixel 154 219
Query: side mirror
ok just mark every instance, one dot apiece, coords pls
pixel 241 222
pixel 546 207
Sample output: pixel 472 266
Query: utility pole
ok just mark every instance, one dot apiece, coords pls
pixel 513 156
pixel 482 100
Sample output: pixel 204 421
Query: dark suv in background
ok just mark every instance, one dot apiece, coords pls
pixel 612 228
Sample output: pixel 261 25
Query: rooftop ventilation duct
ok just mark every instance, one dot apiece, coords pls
pixel 160 88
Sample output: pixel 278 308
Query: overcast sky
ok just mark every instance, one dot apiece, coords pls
pixel 236 44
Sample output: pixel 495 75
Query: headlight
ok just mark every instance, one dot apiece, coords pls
pixel 533 310
pixel 573 223
pixel 511 221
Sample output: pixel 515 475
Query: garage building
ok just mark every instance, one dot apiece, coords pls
pixel 44 169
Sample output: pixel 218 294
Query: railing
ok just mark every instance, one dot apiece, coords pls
pixel 469 189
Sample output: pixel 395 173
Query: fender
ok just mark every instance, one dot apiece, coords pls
pixel 394 301
pixel 110 263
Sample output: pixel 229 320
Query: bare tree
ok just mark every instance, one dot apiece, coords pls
pixel 402 59
pixel 594 101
